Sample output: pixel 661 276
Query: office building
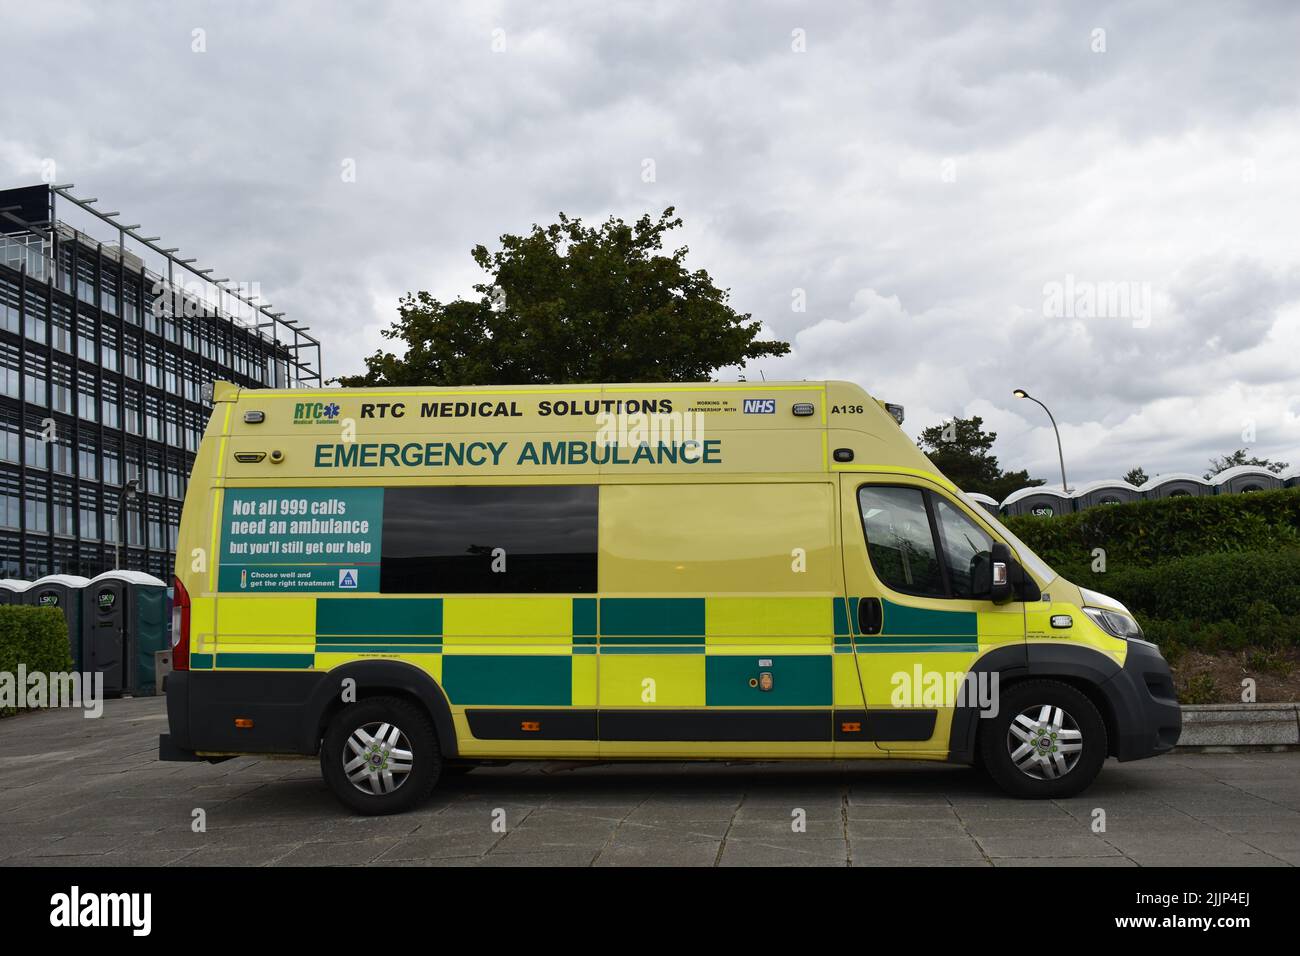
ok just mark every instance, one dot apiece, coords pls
pixel 107 341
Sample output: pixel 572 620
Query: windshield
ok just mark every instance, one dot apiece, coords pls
pixel 1035 565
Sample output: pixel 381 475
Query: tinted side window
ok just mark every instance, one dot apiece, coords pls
pixel 967 550
pixel 441 540
pixel 899 540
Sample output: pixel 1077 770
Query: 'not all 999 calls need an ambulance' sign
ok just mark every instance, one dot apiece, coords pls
pixel 301 539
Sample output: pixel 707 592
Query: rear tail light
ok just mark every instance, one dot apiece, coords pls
pixel 180 626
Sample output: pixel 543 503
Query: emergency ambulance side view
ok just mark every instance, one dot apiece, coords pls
pixel 407 582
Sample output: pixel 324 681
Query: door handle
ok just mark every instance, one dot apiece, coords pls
pixel 871 615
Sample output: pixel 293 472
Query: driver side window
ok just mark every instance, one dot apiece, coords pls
pixel 921 543
pixel 967 550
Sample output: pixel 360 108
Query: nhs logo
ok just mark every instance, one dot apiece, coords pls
pixel 348 578
pixel 760 406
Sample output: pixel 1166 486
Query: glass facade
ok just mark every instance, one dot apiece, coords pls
pixel 101 383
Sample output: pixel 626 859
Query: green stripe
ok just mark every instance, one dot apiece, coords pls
pixel 652 616
pixel 376 617
pixel 267 661
pixel 797 680
pixel 841 615
pixel 532 679
pixel 200 662
pixel 584 616
pixel 902 620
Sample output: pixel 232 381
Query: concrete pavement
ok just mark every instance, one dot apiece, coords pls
pixel 77 792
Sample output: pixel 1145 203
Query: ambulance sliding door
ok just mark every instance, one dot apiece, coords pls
pixel 717 618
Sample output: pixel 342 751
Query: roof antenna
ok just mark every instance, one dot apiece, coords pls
pixel 761 375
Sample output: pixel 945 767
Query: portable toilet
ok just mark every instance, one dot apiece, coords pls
pixel 1243 479
pixel 984 501
pixel 1290 479
pixel 1043 502
pixel 64 592
pixel 1176 484
pixel 126 616
pixel 1107 491
pixel 11 591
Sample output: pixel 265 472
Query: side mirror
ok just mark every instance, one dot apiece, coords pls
pixel 1000 590
pixel 1007 580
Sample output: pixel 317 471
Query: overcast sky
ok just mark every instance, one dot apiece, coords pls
pixel 946 186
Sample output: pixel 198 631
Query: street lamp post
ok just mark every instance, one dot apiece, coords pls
pixel 1021 393
pixel 129 490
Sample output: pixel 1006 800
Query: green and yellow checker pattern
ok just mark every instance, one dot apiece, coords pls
pixel 541 651
pixel 588 652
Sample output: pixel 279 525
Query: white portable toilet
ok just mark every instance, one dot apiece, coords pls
pixel 1243 479
pixel 1176 484
pixel 127 619
pixel 1107 491
pixel 1043 502
pixel 64 592
pixel 12 590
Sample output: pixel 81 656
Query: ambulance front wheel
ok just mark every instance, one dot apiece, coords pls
pixel 1047 740
pixel 380 756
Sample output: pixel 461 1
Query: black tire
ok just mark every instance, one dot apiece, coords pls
pixel 425 764
pixel 1079 712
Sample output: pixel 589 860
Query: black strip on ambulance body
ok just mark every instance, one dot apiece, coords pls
pixel 885 724
pixel 532 724
pixel 714 726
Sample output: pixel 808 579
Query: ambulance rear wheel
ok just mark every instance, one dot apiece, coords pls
pixel 380 756
pixel 1046 741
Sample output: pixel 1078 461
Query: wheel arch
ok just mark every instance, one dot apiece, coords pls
pixel 1087 670
pixel 381 678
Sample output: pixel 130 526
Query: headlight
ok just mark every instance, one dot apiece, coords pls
pixel 1114 623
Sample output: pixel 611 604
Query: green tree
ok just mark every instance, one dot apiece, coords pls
pixel 961 449
pixel 571 303
pixel 1238 457
pixel 1136 476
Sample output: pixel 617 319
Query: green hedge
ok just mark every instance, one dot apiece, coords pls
pixel 1207 587
pixel 1262 627
pixel 36 637
pixel 1144 533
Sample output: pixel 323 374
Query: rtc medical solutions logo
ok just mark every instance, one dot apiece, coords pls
pixel 315 413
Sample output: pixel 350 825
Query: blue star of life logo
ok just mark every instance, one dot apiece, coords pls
pixel 331 410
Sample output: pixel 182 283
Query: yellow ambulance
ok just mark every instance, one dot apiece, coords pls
pixel 407 582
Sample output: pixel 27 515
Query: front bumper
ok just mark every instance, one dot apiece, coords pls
pixel 1148 720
